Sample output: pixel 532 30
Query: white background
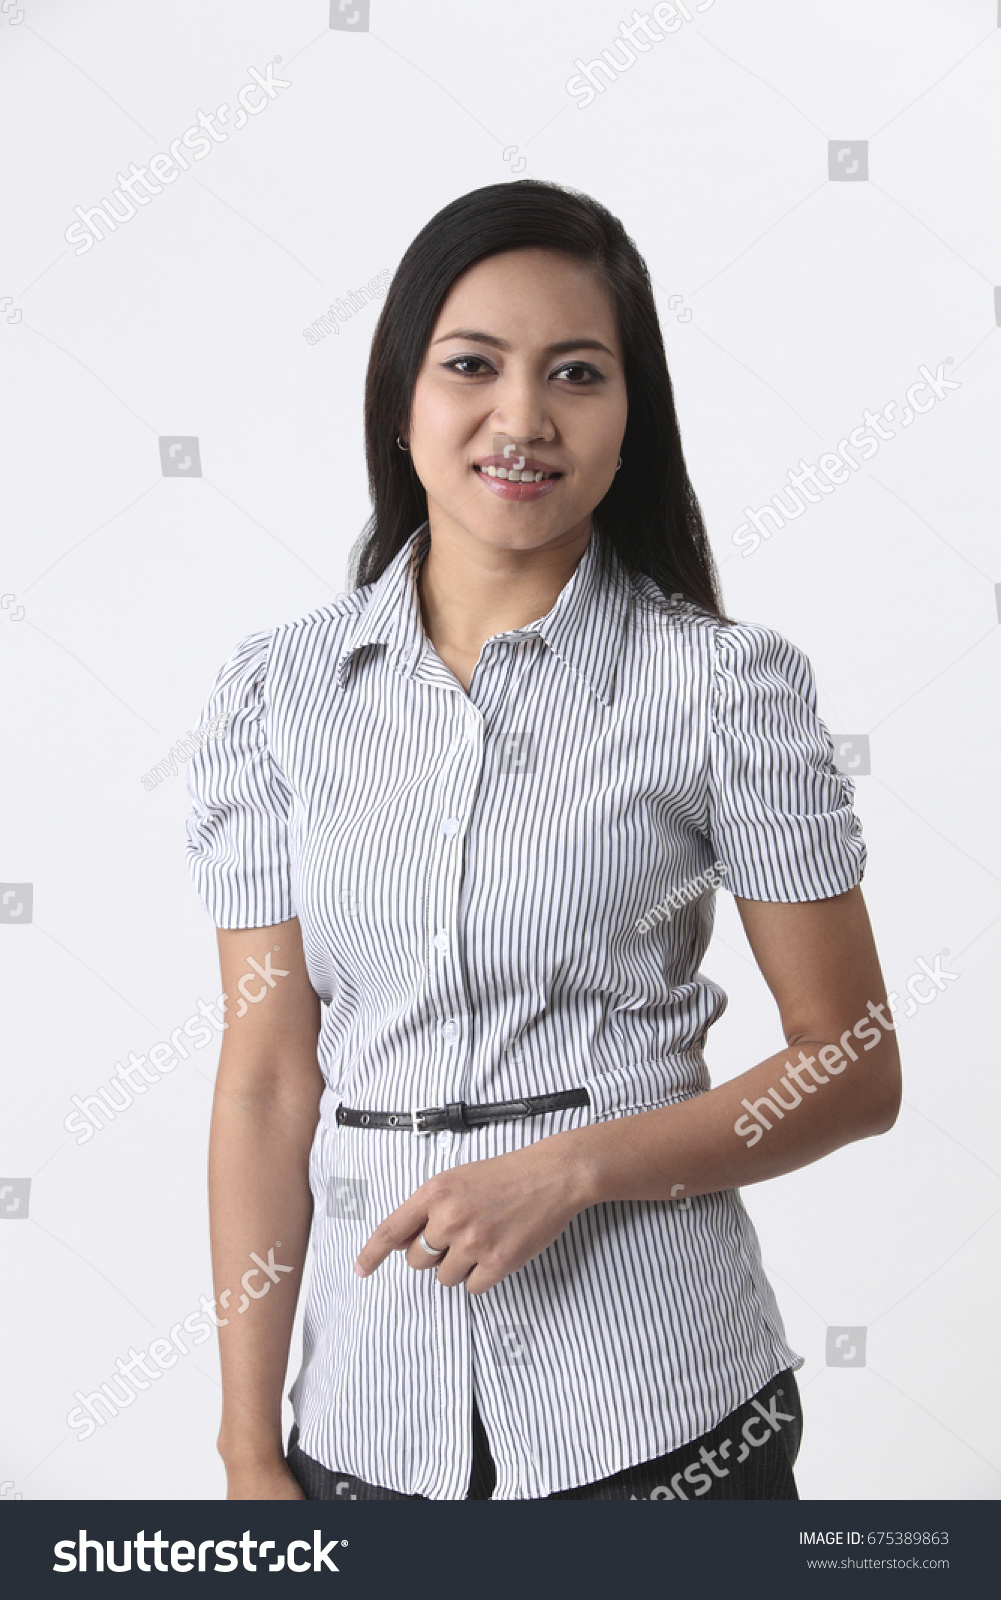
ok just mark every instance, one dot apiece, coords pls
pixel 809 300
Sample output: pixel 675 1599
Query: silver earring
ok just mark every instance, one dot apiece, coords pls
pixel 620 463
pixel 399 444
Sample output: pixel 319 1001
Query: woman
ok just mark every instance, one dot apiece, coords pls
pixel 478 808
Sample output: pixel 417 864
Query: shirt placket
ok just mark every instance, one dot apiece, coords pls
pixel 452 1042
pixel 454 1007
pixel 450 1046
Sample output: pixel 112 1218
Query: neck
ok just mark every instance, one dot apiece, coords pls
pixel 470 591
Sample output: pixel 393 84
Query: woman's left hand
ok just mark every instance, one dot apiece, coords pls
pixel 490 1217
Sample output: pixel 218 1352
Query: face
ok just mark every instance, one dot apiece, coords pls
pixel 525 350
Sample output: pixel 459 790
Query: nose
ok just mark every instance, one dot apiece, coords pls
pixel 521 408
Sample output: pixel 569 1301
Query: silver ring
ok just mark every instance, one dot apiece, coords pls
pixel 425 1246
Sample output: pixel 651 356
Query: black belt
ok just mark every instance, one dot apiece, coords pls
pixel 457 1116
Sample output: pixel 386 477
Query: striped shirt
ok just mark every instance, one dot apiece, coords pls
pixel 506 893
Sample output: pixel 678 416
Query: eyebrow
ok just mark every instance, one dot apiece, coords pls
pixel 562 347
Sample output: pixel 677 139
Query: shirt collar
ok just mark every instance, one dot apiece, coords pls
pixel 583 628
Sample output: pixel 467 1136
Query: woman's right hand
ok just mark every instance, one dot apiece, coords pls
pixel 265 1481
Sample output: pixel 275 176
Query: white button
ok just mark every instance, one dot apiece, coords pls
pixel 450 1030
pixel 444 1141
pixel 441 941
pixel 450 826
pixel 470 730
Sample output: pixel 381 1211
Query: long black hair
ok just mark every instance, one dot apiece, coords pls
pixel 650 514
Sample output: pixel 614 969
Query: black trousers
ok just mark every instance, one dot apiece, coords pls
pixel 748 1456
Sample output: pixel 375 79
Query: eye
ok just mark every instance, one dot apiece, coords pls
pixel 591 373
pixel 589 376
pixel 461 361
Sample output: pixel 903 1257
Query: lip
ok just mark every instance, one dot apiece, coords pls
pixel 506 490
pixel 528 463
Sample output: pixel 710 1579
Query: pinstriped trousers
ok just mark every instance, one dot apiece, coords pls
pixel 748 1456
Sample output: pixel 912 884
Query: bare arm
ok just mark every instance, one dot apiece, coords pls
pixel 264 1117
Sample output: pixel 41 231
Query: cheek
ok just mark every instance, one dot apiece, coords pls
pixel 597 438
pixel 421 406
pixel 441 417
pixel 597 472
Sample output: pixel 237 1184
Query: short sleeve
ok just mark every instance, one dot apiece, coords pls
pixel 237 846
pixel 781 816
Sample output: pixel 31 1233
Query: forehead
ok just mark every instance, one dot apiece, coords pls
pixel 542 294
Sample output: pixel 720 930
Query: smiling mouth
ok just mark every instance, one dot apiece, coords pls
pixel 513 476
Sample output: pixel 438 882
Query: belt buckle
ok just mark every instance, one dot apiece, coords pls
pixel 414 1115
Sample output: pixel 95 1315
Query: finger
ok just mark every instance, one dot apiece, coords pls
pixel 419 1258
pixel 478 1280
pixel 393 1233
pixel 453 1269
pixel 408 1241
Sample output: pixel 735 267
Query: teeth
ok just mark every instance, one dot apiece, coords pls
pixel 515 477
